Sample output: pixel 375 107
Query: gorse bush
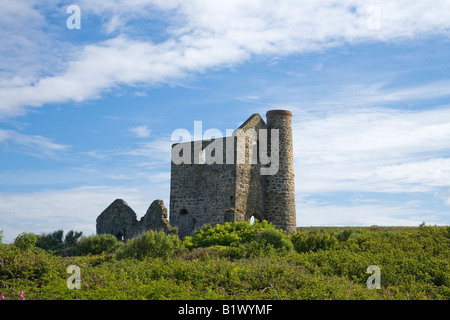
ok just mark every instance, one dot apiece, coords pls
pixel 25 241
pixel 72 238
pixel 55 242
pixel 153 244
pixel 231 234
pixel 277 238
pixel 52 241
pixel 304 242
pixel 96 244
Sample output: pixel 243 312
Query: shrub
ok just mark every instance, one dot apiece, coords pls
pixel 25 241
pixel 227 234
pixel 96 244
pixel 344 235
pixel 71 238
pixel 314 241
pixel 247 250
pixel 447 233
pixel 1 236
pixel 277 238
pixel 154 244
pixel 56 243
pixel 348 233
pixel 201 254
pixel 51 242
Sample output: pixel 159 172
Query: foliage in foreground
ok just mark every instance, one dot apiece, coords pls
pixel 240 233
pixel 318 264
pixel 151 244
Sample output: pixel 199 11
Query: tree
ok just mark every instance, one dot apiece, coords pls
pixel 72 238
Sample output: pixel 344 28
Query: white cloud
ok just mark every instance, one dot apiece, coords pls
pixel 141 131
pixel 366 215
pixel 424 174
pixel 151 152
pixel 29 144
pixel 378 93
pixel 204 35
pixel 376 150
pixel 29 48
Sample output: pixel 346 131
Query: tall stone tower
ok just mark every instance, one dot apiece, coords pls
pixel 280 190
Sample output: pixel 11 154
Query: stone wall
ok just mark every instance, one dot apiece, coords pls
pixel 121 221
pixel 200 194
pixel 117 219
pixel 250 185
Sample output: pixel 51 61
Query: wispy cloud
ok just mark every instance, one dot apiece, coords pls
pixel 157 151
pixel 141 131
pixel 382 93
pixel 33 145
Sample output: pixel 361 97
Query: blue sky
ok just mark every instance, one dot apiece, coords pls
pixel 86 116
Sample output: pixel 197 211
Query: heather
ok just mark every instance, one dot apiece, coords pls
pixel 232 261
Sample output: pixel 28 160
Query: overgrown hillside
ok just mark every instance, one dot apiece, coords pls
pixel 231 261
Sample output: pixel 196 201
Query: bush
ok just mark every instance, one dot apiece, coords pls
pixel 201 254
pixel 56 243
pixel 314 241
pixel 277 238
pixel 52 241
pixel 71 238
pixel 153 244
pixel 348 233
pixel 25 241
pixel 1 236
pixel 247 250
pixel 344 235
pixel 227 234
pixel 96 244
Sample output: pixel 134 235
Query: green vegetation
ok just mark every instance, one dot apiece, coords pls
pixel 153 244
pixel 25 241
pixel 57 243
pixel 232 261
pixel 94 245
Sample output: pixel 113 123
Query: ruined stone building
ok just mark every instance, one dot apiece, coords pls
pixel 213 181
pixel 121 221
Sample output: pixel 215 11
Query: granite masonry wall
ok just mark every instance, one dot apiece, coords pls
pixel 214 193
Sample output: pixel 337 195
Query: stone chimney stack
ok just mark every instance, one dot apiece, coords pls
pixel 280 190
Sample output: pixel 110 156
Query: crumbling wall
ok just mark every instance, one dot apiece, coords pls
pixel 155 218
pixel 121 221
pixel 117 219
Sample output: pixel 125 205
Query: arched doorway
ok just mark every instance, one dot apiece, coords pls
pixel 255 217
